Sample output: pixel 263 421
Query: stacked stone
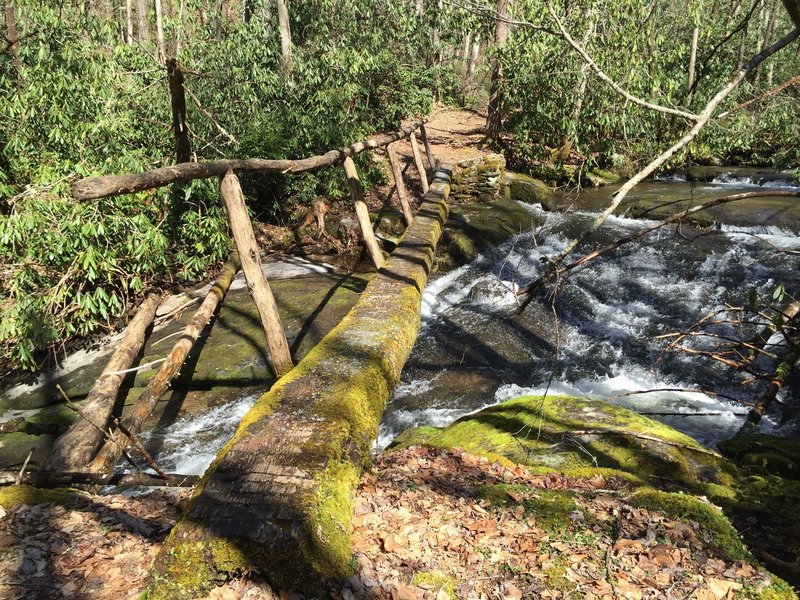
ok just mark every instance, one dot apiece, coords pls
pixel 478 179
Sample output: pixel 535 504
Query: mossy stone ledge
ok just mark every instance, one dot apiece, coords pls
pixel 278 497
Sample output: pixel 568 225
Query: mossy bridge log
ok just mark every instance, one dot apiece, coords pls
pixel 278 497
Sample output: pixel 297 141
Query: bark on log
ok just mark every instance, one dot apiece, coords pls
pixel 786 367
pixel 144 405
pixel 423 174
pixel 431 159
pixel 92 188
pixel 250 255
pixel 52 479
pixel 362 213
pixel 402 193
pixel 74 449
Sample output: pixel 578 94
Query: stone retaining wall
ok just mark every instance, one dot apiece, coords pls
pixel 478 180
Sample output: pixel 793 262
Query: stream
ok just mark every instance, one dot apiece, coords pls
pixel 598 335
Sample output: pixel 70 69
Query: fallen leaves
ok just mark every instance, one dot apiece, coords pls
pixel 99 547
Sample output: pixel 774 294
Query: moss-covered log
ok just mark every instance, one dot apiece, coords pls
pixel 278 497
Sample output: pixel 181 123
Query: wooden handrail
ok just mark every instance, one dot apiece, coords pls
pixel 92 188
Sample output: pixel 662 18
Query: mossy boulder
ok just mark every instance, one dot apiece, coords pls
pixel 524 188
pixel 14 495
pixel 572 434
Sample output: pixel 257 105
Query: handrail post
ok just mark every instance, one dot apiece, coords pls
pixel 424 133
pixel 402 193
pixel 423 174
pixel 250 255
pixel 362 213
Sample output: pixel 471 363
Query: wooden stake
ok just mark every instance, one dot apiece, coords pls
pixel 74 449
pixel 423 175
pixel 362 213
pixel 431 160
pixel 402 193
pixel 250 255
pixel 145 404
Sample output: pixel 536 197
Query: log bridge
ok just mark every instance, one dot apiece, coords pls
pixel 278 497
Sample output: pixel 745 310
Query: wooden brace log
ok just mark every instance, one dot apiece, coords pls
pixel 423 174
pixel 431 159
pixel 145 404
pixel 402 193
pixel 77 446
pixel 52 479
pixel 250 255
pixel 362 213
pixel 92 188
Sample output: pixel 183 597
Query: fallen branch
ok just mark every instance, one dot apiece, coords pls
pixel 77 446
pixel 145 404
pixel 529 290
pixel 779 88
pixel 51 479
pixel 553 269
pixel 135 441
pixel 641 436
pixel 21 473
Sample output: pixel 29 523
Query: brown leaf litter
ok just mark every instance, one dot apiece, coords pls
pixel 424 529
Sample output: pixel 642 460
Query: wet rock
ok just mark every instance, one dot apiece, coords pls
pixel 527 189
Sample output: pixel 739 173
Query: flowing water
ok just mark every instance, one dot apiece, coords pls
pixel 597 336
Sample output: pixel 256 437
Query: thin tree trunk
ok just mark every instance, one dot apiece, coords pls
pixel 494 120
pixel 13 39
pixel 183 145
pixel 467 48
pixel 73 450
pixel 473 57
pixel 250 254
pixel 571 136
pixel 693 58
pixel 128 23
pixel 400 186
pixel 182 30
pixel 362 213
pixel 286 34
pixel 143 28
pixel 144 405
pixel 160 53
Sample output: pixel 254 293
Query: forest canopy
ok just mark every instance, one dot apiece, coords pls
pixel 85 92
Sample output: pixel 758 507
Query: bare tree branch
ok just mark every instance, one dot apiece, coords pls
pixel 616 87
pixel 554 269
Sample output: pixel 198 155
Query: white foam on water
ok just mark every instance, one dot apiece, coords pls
pixel 190 444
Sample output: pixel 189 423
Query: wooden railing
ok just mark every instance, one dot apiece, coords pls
pixel 248 255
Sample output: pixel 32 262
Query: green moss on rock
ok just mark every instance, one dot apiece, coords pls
pixel 14 495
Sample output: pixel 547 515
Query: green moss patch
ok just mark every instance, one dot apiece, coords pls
pixel 14 495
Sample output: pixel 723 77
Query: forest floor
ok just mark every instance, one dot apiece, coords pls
pixel 423 527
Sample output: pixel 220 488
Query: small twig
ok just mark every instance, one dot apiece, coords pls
pixel 71 405
pixel 135 441
pixel 24 466
pixel 139 368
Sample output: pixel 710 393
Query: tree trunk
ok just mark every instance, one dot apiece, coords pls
pixel 143 28
pixel 423 175
pixel 242 230
pixel 467 48
pixel 160 54
pixel 494 120
pixel 128 23
pixel 402 193
pixel 182 29
pixel 571 135
pixel 693 58
pixel 183 145
pixel 13 39
pixel 112 450
pixel 74 449
pixel 362 213
pixel 473 58
pixel 286 34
